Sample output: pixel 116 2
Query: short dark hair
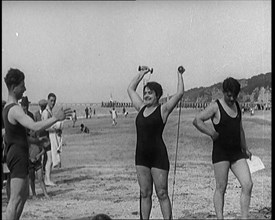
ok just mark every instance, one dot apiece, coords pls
pixel 231 85
pixel 51 95
pixel 14 77
pixel 155 87
pixel 101 217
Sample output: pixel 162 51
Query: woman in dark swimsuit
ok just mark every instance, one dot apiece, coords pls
pixel 152 163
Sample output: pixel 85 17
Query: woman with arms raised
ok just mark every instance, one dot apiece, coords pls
pixel 151 159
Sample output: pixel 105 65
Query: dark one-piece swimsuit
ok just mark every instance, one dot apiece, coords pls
pixel 150 148
pixel 17 148
pixel 227 147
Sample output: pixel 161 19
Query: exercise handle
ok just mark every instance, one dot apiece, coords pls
pixel 181 69
pixel 150 70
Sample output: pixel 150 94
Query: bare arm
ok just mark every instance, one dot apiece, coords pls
pixel 206 114
pixel 135 98
pixel 17 115
pixel 37 157
pixel 40 154
pixel 168 107
pixel 243 142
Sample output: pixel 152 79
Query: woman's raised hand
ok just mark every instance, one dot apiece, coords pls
pixel 181 69
pixel 145 69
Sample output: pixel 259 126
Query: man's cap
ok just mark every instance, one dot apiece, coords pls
pixel 25 101
pixel 42 102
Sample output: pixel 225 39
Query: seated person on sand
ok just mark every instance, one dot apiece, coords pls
pixel 84 129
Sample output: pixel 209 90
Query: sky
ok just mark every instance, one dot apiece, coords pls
pixel 87 51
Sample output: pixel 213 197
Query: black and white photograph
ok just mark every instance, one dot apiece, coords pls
pixel 136 110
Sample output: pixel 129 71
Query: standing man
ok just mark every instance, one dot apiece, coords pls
pixel 17 146
pixel 74 117
pixel 35 151
pixel 46 114
pixel 38 114
pixel 25 106
pixel 114 116
pixel 229 145
pixel 38 117
pixel 86 112
pixel 90 112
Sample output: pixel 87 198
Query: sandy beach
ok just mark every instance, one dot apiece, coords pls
pixel 98 173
